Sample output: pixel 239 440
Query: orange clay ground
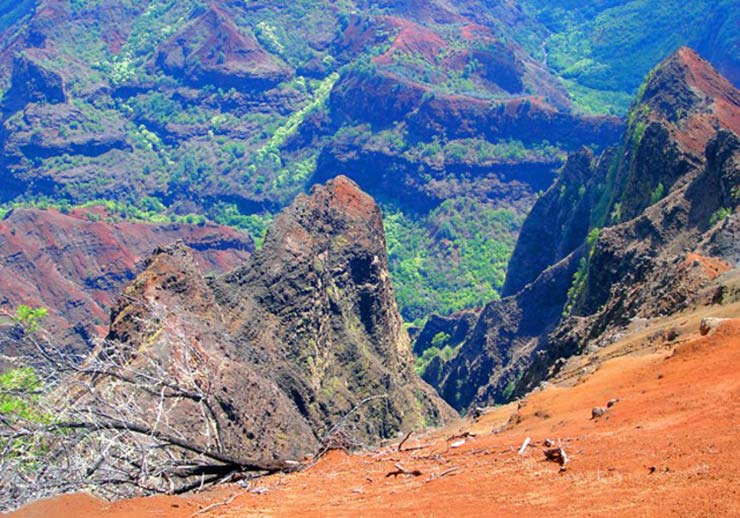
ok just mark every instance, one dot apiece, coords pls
pixel 670 447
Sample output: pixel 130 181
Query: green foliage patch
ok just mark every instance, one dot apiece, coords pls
pixel 455 258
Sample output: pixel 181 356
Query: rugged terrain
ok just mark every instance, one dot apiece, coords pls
pixel 666 448
pixel 637 232
pixel 495 138
pixel 303 334
pixel 76 264
pixel 442 112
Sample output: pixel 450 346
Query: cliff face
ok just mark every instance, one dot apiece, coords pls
pixel 168 317
pixel 559 221
pixel 309 322
pixel 77 267
pixel 621 236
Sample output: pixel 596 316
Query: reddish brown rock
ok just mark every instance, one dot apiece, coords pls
pixel 213 50
pixel 76 267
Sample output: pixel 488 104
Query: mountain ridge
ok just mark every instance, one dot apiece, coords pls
pixel 656 199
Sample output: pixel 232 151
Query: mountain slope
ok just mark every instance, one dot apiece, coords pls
pixel 444 112
pixel 76 264
pixel 303 334
pixel 229 110
pixel 629 243
pixel 666 447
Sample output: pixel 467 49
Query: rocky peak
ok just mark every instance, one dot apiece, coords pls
pixel 171 280
pixel 319 295
pixel 168 321
pixel 687 92
pixel 303 333
pixel 212 50
pixel 684 103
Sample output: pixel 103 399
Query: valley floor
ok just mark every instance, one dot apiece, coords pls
pixel 669 447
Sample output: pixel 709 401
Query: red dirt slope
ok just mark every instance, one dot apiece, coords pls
pixel 667 448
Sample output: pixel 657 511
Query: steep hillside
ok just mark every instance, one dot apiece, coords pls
pixel 228 110
pixel 631 240
pixel 665 448
pixel 303 333
pixel 76 264
pixel 444 112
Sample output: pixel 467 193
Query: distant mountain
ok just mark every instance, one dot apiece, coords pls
pixel 453 115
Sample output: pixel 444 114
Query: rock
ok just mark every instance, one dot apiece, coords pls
pixel 597 412
pixel 612 402
pixel 663 196
pixel 77 264
pixel 31 82
pixel 307 329
pixel 709 325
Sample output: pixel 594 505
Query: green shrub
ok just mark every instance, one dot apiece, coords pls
pixel 720 215
pixel 658 194
pixel 30 318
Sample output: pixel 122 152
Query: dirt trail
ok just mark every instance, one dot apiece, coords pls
pixel 669 447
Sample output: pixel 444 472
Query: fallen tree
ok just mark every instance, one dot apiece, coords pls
pixel 118 423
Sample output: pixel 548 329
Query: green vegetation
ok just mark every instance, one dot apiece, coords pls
pixel 290 176
pixel 146 210
pixel 658 194
pixel 255 225
pixel 480 151
pixel 30 318
pixel 720 215
pixel 604 48
pixel 19 391
pixel 581 276
pixel 455 259
pixel 440 350
pixel 190 146
pixel 596 102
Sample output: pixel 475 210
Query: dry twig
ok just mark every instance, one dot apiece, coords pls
pixel 400 470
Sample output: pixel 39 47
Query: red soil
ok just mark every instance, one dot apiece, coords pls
pixel 412 39
pixel 76 268
pixel 725 103
pixel 667 448
pixel 712 266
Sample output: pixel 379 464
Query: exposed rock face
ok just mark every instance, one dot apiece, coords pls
pixel 313 312
pixel 505 336
pixel 76 267
pixel 212 50
pixel 559 221
pixel 170 308
pixel 638 236
pixel 360 97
